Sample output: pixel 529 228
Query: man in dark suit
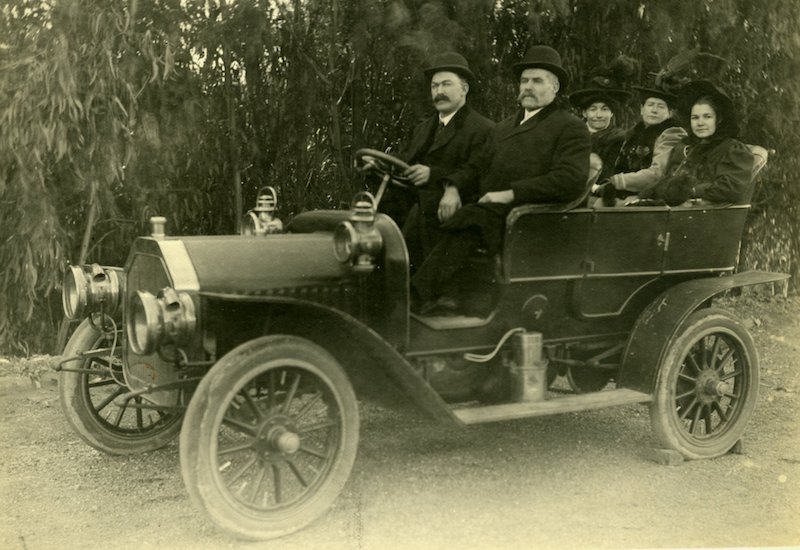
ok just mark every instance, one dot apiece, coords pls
pixel 443 147
pixel 538 155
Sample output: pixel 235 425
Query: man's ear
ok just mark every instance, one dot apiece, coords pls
pixel 466 86
pixel 556 84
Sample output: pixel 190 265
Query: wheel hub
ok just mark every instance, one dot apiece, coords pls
pixel 710 388
pixel 276 436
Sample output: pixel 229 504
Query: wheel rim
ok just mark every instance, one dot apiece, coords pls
pixel 278 439
pixel 711 387
pixel 102 387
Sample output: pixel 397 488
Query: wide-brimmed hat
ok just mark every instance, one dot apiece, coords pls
pixel 543 57
pixel 694 90
pixel 449 61
pixel 660 92
pixel 601 88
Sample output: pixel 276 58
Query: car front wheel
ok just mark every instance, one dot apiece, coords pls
pixel 269 437
pixel 707 386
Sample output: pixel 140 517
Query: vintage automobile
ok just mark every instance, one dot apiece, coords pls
pixel 256 347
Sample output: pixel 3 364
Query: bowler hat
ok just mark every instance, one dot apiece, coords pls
pixel 694 90
pixel 543 57
pixel 449 61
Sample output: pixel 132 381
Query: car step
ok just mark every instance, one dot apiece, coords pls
pixel 557 405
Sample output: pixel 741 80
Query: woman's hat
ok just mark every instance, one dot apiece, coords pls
pixel 658 90
pixel 601 88
pixel 449 61
pixel 543 57
pixel 694 90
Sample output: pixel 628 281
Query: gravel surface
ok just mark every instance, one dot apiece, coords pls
pixel 582 480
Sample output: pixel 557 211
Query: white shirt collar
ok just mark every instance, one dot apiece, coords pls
pixel 529 114
pixel 446 119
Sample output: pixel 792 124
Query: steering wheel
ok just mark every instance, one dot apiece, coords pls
pixel 384 165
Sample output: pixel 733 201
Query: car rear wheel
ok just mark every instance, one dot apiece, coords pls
pixel 89 398
pixel 707 386
pixel 270 437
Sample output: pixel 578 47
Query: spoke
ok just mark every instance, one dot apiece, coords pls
pixel 253 405
pixel 257 483
pixel 240 426
pixel 701 343
pixel 688 409
pixel 724 360
pixel 241 471
pixel 718 407
pixel 707 419
pixel 291 394
pixel 685 377
pixel 296 472
pixel 139 420
pixel 312 452
pixel 235 448
pixel 311 402
pixel 272 397
pixel 696 419
pixel 693 361
pixel 729 375
pixel 276 477
pixel 316 427
pixel 685 394
pixel 715 350
pixel 104 403
pixel 120 414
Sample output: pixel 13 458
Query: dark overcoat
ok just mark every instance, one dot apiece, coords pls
pixel 543 160
pixel 451 153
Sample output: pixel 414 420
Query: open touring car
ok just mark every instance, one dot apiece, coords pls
pixel 255 348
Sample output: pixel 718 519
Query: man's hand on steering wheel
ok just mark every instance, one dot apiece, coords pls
pixel 383 164
pixel 419 174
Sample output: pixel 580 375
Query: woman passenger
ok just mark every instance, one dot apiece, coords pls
pixel 598 103
pixel 710 164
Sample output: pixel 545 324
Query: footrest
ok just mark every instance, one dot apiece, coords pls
pixel 557 405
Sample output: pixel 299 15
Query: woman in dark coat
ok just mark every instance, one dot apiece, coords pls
pixel 598 103
pixel 710 164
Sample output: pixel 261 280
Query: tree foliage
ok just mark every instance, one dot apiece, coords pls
pixel 112 111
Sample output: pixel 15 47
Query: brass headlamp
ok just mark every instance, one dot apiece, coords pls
pixel 155 320
pixel 261 220
pixel 357 241
pixel 91 289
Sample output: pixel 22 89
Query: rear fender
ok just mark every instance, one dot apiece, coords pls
pixel 378 372
pixel 658 324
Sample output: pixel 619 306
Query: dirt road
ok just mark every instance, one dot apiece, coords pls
pixel 568 481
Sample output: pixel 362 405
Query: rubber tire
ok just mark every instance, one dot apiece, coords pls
pixel 80 413
pixel 663 418
pixel 204 416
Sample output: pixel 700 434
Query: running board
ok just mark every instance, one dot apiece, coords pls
pixel 557 405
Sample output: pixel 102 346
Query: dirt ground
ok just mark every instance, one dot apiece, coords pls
pixel 582 480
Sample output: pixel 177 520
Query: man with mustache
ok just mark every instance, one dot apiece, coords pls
pixel 538 155
pixel 440 152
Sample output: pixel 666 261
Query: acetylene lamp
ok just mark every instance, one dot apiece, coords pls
pixel 166 318
pixel 261 220
pixel 90 289
pixel 357 241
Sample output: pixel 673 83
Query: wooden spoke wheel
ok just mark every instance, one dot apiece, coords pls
pixel 707 386
pixel 270 437
pixel 88 398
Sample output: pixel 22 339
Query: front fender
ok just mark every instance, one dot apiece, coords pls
pixel 368 359
pixel 658 324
